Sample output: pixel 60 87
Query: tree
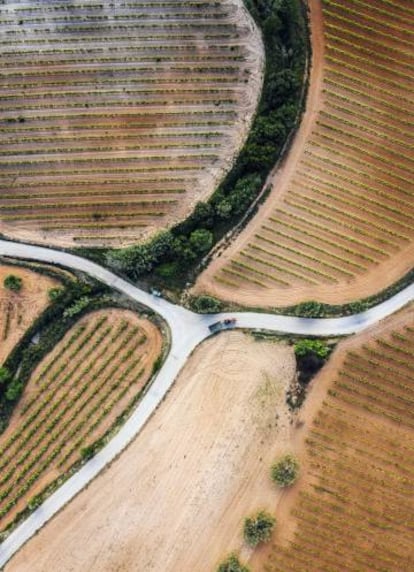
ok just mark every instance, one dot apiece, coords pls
pixel 13 282
pixel 258 528
pixel 232 564
pixel 54 293
pixel 5 375
pixel 285 471
pixel 14 390
pixel 201 240
pixel 305 347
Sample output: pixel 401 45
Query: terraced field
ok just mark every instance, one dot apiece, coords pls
pixel 18 310
pixel 340 224
pixel 71 400
pixel 356 510
pixel 116 118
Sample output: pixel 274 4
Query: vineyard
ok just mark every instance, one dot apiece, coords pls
pixel 344 222
pixel 356 512
pixel 73 397
pixel 115 120
pixel 19 310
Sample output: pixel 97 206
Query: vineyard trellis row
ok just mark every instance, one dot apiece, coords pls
pixel 72 398
pixel 356 510
pixel 348 208
pixel 94 95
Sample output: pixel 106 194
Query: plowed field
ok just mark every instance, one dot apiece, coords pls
pixel 355 507
pixel 116 118
pixel 339 223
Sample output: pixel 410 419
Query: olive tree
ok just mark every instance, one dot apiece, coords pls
pixel 285 471
pixel 258 528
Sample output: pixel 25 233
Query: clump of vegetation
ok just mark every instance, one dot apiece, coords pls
pixel 285 471
pixel 310 356
pixel 232 564
pixel 206 304
pixel 9 387
pixel 258 528
pixel 13 282
pixel 54 293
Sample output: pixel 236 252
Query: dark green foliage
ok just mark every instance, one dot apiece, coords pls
pixel 87 452
pixel 285 471
pixel 317 347
pixel 54 293
pixel 232 564
pixel 258 528
pixel 206 305
pixel 310 356
pixel 14 390
pixel 5 376
pixel 309 309
pixel 13 282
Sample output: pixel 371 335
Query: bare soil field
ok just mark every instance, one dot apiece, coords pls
pixel 176 498
pixel 18 310
pixel 72 398
pixel 354 507
pixel 339 222
pixel 117 118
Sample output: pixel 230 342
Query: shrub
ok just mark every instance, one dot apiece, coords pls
pixel 258 528
pixel 285 471
pixel 14 283
pixel 310 358
pixel 14 390
pixel 305 347
pixel 54 293
pixel 206 305
pixel 5 375
pixel 232 564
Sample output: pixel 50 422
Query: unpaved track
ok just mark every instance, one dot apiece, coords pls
pixel 187 331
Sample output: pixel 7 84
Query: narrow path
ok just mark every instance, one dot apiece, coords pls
pixel 187 331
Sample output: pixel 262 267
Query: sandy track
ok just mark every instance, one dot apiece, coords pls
pixel 176 498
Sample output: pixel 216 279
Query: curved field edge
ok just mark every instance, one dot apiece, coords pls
pixel 337 228
pixel 172 258
pixel 70 410
pixel 353 507
pixel 115 123
pixel 19 309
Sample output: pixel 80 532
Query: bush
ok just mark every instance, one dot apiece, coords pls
pixel 258 528
pixel 285 471
pixel 232 564
pixel 305 347
pixel 206 305
pixel 54 293
pixel 14 283
pixel 310 356
pixel 14 390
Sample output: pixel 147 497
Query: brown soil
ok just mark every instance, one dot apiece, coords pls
pixel 314 404
pixel 176 499
pixel 275 286
pixel 198 95
pixel 18 310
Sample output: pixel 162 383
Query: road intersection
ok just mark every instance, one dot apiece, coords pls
pixel 187 330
